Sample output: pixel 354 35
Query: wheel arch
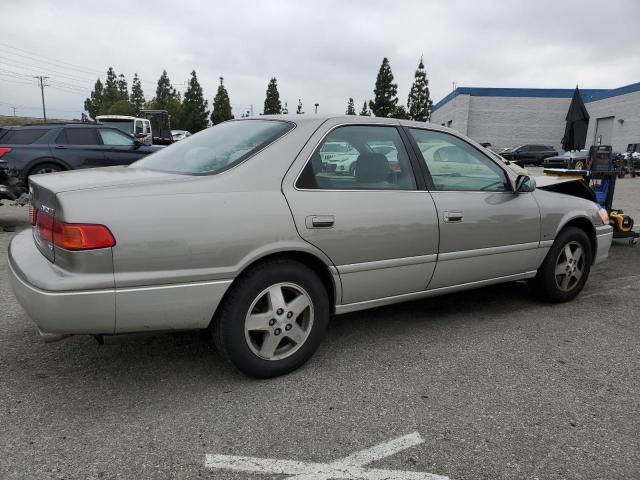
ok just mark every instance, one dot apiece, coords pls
pixel 584 224
pixel 26 171
pixel 329 278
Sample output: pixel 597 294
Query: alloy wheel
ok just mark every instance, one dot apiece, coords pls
pixel 279 321
pixel 569 266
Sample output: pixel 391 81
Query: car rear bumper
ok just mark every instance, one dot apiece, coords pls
pixel 604 237
pixel 109 310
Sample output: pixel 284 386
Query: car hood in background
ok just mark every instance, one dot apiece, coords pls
pixel 567 185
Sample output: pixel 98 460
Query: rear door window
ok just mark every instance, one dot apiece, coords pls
pixel 359 157
pixel 23 136
pixel 78 136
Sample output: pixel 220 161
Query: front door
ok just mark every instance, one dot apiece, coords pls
pixel 368 216
pixel 120 148
pixel 487 231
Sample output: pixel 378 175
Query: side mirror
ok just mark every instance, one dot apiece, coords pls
pixel 525 183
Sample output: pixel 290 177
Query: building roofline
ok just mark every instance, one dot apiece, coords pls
pixel 588 95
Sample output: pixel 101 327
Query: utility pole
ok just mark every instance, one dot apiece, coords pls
pixel 41 81
pixel 316 105
pixel 14 111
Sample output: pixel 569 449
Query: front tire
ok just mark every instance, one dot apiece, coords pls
pixel 272 319
pixel 566 268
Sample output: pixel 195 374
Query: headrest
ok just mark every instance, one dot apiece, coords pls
pixel 372 168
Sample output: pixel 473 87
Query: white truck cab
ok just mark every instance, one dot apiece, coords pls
pixel 138 127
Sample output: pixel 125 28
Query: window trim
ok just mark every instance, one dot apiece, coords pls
pixel 417 175
pixel 427 173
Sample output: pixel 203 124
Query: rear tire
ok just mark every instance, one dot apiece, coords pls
pixel 273 319
pixel 45 168
pixel 566 268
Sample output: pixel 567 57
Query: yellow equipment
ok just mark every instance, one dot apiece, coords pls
pixel 619 221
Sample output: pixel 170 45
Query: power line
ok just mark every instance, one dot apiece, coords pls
pixel 48 59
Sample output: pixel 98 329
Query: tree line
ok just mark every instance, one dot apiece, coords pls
pixel 190 111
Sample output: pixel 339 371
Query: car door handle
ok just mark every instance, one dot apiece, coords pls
pixel 320 221
pixel 453 217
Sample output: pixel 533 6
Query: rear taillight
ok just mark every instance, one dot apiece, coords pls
pixel 4 150
pixel 33 213
pixel 72 236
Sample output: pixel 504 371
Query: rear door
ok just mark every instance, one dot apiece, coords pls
pixel 375 221
pixel 79 147
pixel 487 231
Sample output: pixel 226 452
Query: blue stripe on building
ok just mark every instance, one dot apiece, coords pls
pixel 588 95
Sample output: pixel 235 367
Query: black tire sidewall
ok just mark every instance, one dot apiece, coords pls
pixel 230 335
pixel 546 279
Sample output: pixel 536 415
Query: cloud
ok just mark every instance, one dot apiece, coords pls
pixel 320 51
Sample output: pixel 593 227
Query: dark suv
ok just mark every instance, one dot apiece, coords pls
pixel 533 154
pixel 33 149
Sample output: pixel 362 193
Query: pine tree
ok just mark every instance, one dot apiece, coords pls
pixel 299 110
pixel 385 99
pixel 285 109
pixel 93 104
pixel 111 92
pixel 164 92
pixel 137 95
pixel 419 103
pixel 194 107
pixel 123 88
pixel 400 112
pixel 272 103
pixel 121 107
pixel 221 105
pixel 365 112
pixel 351 109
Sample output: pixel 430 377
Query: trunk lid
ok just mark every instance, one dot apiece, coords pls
pixel 43 190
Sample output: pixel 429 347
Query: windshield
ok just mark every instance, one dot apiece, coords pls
pixel 216 149
pixel 124 125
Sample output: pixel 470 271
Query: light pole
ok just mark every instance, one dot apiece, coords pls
pixel 317 108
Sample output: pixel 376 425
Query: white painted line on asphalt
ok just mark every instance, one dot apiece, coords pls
pixel 349 467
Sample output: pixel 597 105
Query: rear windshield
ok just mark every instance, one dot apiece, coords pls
pixel 216 149
pixel 23 136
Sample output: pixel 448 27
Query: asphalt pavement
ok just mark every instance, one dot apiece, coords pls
pixel 493 383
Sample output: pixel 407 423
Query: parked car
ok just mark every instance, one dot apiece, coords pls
pixel 179 134
pixel 46 148
pixel 261 247
pixel 574 159
pixel 529 154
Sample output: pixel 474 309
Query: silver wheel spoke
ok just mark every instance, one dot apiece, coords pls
pixel 276 299
pixel 258 321
pixel 567 252
pixel 565 282
pixel 298 305
pixel 561 268
pixel 577 254
pixel 269 345
pixel 296 334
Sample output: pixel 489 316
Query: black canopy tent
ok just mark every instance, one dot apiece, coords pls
pixel 575 133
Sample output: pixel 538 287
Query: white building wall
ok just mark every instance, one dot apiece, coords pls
pixel 456 111
pixel 511 121
pixel 622 107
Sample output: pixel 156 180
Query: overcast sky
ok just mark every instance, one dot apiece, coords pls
pixel 320 51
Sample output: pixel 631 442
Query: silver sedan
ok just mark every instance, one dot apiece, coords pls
pixel 244 230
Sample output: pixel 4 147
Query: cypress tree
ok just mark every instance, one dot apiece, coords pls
pixel 221 105
pixel 111 93
pixel 351 109
pixel 285 109
pixel 137 95
pixel 123 88
pixel 93 104
pixel 164 92
pixel 385 92
pixel 419 103
pixel 272 103
pixel 194 107
pixel 365 112
pixel 299 110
